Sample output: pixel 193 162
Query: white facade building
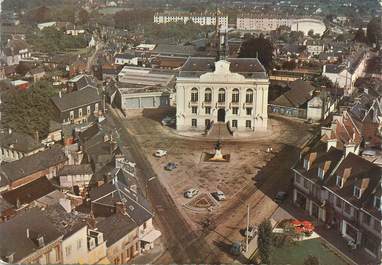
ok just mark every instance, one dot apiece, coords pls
pixel 209 20
pixel 233 91
pixel 268 24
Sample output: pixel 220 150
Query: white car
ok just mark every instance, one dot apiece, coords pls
pixel 160 153
pixel 191 193
pixel 219 195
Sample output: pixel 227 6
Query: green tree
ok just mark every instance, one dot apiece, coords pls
pixel 311 260
pixel 83 16
pixel 374 31
pixel 29 111
pixel 264 241
pixel 260 48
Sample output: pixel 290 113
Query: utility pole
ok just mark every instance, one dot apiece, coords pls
pixel 247 234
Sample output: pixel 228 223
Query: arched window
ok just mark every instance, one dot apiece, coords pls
pixel 208 95
pixel 221 96
pixel 235 95
pixel 249 96
pixel 194 94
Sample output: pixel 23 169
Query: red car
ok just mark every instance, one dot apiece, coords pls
pixel 305 227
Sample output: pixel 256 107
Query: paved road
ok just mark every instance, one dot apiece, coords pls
pixel 183 245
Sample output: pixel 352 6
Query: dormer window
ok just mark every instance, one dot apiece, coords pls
pixel 306 164
pixel 357 192
pixel 339 182
pixel 377 202
pixel 321 173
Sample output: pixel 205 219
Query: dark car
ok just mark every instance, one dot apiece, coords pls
pixel 281 196
pixel 170 166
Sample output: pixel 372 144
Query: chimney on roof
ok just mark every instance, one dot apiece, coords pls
pixel 350 148
pixel 28 233
pixel 10 258
pixel 10 131
pixel 40 241
pixel 60 94
pixel 331 143
pixel 326 131
pixel 119 161
pixel 120 208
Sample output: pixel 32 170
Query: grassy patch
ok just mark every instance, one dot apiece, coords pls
pixel 296 253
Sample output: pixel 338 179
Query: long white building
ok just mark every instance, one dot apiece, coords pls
pixel 252 23
pixel 232 92
pixel 208 20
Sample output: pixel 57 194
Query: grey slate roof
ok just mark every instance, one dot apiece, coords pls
pixel 301 91
pixel 13 234
pixel 31 164
pixel 20 142
pixel 76 99
pixel 75 170
pixel 249 67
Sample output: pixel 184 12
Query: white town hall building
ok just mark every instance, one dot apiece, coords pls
pixel 232 92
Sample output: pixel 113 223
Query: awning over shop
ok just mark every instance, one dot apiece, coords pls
pixel 151 236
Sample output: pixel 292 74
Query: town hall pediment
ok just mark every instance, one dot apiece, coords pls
pixel 222 74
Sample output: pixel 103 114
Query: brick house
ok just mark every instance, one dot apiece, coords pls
pixel 343 191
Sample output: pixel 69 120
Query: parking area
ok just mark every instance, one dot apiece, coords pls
pixel 248 157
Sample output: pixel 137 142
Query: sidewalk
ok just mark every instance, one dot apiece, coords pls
pixel 152 255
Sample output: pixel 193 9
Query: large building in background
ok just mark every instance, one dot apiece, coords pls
pixel 259 23
pixel 232 92
pixel 201 19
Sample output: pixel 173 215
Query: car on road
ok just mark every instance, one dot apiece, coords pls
pixel 190 193
pixel 160 153
pixel 167 121
pixel 218 195
pixel 170 166
pixel 303 227
pixel 281 196
pixel 251 232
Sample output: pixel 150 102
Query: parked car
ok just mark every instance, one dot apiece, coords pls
pixel 191 193
pixel 304 227
pixel 167 121
pixel 170 166
pixel 281 196
pixel 218 195
pixel 251 232
pixel 236 248
pixel 160 153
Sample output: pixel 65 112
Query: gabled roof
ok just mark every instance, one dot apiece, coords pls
pixel 19 142
pixel 13 234
pixel 29 192
pixel 34 163
pixel 76 99
pixel 301 91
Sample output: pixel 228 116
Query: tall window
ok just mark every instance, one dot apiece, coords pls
pixel 249 96
pixel 248 124
pixel 321 173
pixel 208 110
pixel 194 110
pixel 194 94
pixel 80 112
pixel 249 111
pixel 234 123
pixel 357 192
pixel 235 110
pixel 208 95
pixel 221 97
pixel 235 95
pixel 194 123
pixel 377 202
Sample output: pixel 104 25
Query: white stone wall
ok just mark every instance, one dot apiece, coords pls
pixel 75 248
pixel 222 79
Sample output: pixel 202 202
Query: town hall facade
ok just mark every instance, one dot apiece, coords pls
pixel 232 92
